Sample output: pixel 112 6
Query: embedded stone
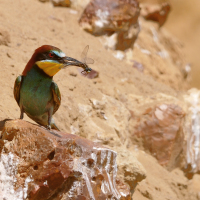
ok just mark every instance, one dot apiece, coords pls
pixel 138 66
pixel 40 164
pixel 192 134
pixel 63 3
pixel 161 133
pixel 156 12
pixel 112 17
pixel 4 37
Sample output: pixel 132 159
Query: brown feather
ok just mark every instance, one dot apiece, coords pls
pixel 17 88
pixel 56 96
pixel 39 50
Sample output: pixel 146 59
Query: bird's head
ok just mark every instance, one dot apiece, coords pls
pixel 51 60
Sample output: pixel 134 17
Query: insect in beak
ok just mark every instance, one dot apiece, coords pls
pixel 85 60
pixel 86 71
pixel 83 64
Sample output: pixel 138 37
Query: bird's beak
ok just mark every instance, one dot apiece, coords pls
pixel 68 61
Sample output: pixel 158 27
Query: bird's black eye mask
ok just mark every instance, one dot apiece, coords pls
pixel 48 56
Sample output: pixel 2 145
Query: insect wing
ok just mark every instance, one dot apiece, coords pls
pixel 84 54
pixel 89 61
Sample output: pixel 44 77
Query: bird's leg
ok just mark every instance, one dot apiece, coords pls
pixel 48 127
pixel 49 118
pixel 22 113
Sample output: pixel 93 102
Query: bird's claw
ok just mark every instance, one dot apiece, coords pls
pixel 48 127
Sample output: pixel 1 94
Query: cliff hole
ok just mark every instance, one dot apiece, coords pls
pixel 35 167
pixel 51 155
pixel 90 163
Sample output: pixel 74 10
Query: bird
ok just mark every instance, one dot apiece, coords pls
pixel 36 93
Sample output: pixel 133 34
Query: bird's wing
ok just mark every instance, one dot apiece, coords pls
pixel 17 88
pixel 56 96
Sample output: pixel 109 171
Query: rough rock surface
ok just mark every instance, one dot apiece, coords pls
pixel 129 169
pixel 39 164
pixel 156 125
pixel 118 19
pixel 163 58
pixel 44 0
pixel 194 187
pixel 79 4
pixel 4 37
pixel 156 12
pixel 160 129
pixel 192 132
pixel 167 185
pixel 63 3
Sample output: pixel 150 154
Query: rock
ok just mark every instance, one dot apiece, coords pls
pixel 63 3
pixel 138 66
pixel 79 4
pixel 96 120
pixel 117 121
pixel 160 184
pixel 129 168
pixel 156 125
pixel 194 187
pixel 110 114
pixel 117 19
pixel 4 37
pixel 156 12
pixel 40 164
pixel 161 132
pixel 192 133
pixel 44 0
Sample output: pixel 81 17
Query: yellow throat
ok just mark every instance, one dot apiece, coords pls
pixel 49 67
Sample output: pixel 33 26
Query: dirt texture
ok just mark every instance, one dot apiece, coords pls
pixel 183 23
pixel 111 108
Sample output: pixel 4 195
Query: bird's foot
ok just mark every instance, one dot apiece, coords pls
pixel 48 127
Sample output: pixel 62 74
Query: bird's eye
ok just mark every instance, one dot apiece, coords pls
pixel 51 55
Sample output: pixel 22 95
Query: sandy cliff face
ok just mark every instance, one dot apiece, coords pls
pixel 183 23
pixel 138 105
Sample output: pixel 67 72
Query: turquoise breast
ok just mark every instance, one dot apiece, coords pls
pixel 36 95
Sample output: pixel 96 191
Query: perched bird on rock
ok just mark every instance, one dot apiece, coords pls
pixel 35 91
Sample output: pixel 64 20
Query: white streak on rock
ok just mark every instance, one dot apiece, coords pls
pixel 88 183
pixel 193 130
pixel 155 34
pixel 103 18
pixel 145 51
pixel 119 55
pixel 8 172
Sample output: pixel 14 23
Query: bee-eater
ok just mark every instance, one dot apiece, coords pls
pixel 35 91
